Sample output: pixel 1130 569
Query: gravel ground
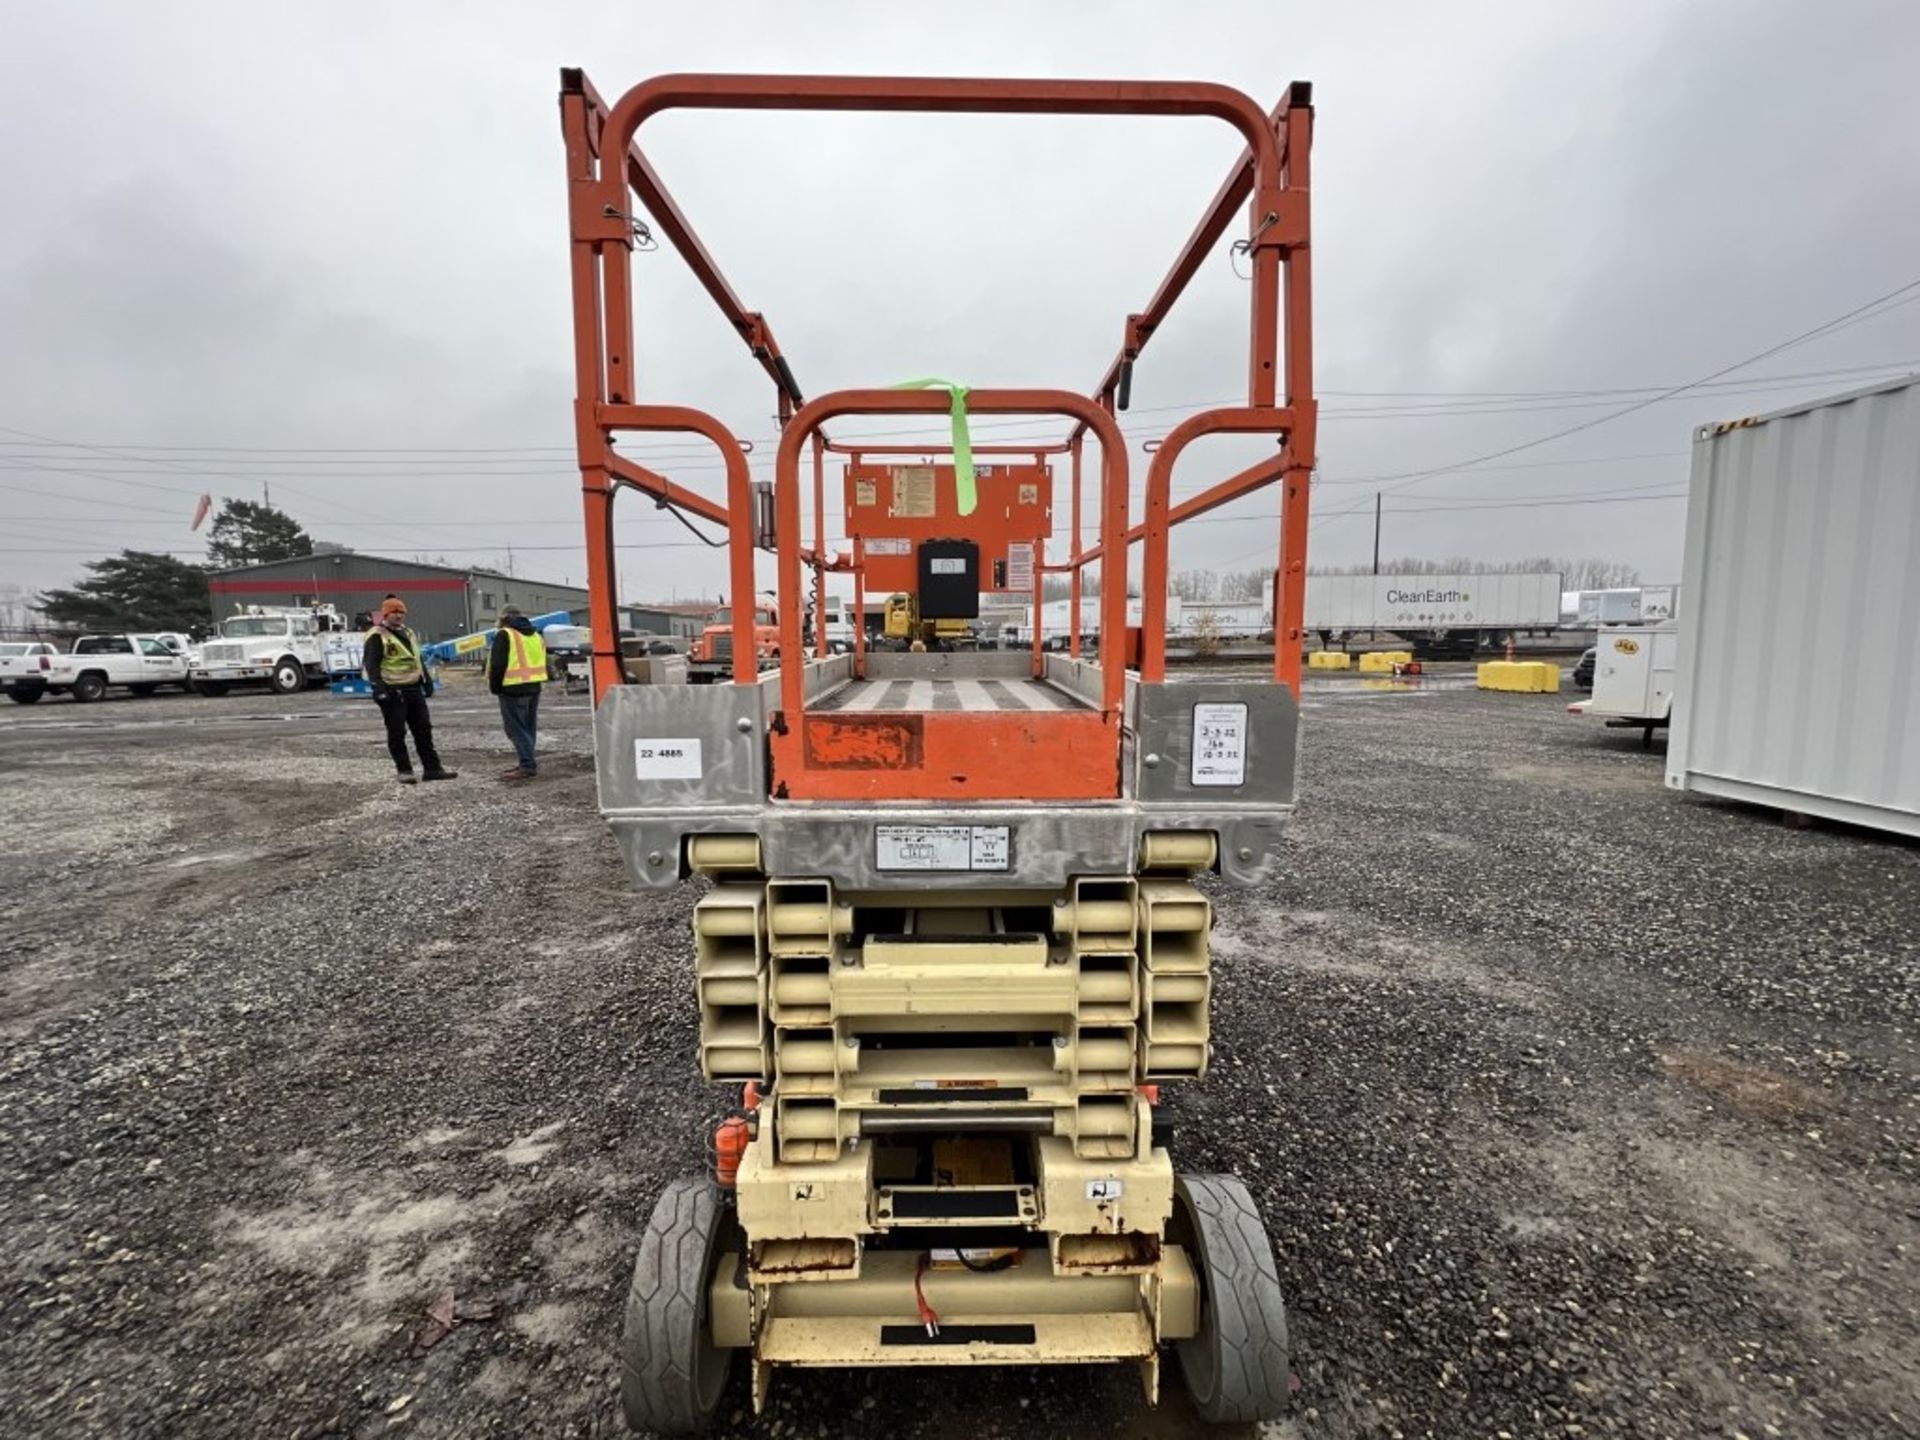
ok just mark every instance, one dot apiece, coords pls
pixel 1574 1107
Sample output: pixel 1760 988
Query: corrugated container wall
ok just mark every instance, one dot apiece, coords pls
pixel 1799 666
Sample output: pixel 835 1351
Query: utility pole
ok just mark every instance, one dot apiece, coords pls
pixel 1375 634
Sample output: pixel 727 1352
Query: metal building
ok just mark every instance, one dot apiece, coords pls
pixel 442 600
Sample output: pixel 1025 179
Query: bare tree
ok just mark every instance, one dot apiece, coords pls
pixel 1060 587
pixel 1244 584
pixel 1195 586
pixel 1575 574
pixel 16 609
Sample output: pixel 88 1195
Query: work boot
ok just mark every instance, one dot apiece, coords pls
pixel 516 773
pixel 406 777
pixel 441 775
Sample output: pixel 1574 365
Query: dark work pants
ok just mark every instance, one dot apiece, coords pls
pixel 405 709
pixel 521 715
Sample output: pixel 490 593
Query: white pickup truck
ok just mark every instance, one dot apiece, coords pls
pixel 140 663
pixel 20 669
pixel 286 648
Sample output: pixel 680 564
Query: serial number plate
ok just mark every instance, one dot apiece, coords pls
pixel 944 847
pixel 677 759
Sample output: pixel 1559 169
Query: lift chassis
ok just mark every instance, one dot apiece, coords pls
pixel 951 942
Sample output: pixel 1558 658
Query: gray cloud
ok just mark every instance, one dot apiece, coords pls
pixel 248 227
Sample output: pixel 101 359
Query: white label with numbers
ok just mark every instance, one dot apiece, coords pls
pixel 666 760
pixel 1219 745
pixel 944 847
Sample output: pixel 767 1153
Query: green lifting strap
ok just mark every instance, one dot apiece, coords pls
pixel 962 440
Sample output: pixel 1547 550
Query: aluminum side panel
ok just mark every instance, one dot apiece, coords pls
pixel 1799 664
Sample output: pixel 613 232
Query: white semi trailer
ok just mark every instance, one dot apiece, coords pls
pixel 1441 615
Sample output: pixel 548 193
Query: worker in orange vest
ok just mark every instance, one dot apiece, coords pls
pixel 516 669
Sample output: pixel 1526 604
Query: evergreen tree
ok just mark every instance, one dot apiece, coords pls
pixel 244 533
pixel 134 590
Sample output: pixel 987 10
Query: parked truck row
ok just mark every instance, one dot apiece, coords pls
pixel 97 663
pixel 284 649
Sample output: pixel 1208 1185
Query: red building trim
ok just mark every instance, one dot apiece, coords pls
pixel 306 586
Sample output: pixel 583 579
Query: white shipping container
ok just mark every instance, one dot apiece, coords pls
pixel 1433 602
pixel 1799 664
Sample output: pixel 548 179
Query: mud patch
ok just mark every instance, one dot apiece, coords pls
pixel 1748 1088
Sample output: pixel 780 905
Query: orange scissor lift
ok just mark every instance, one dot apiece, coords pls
pixel 952 942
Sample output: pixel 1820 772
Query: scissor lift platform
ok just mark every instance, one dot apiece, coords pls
pixel 944 694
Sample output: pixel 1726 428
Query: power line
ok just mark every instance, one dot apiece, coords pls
pixel 1466 402
pixel 1527 504
pixel 841 539
pixel 1851 317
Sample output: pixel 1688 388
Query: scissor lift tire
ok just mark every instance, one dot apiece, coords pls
pixel 671 1373
pixel 1236 1366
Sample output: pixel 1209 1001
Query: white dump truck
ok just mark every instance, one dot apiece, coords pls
pixel 280 646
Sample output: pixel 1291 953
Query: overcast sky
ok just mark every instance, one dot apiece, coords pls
pixel 323 248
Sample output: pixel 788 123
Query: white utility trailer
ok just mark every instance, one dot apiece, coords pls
pixel 1633 677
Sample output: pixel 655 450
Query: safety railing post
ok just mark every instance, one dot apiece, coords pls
pixel 1073 579
pixel 820 547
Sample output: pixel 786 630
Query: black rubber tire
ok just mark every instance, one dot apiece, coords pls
pixel 27 696
pixel 89 687
pixel 289 678
pixel 1236 1367
pixel 142 689
pixel 671 1374
pixel 212 689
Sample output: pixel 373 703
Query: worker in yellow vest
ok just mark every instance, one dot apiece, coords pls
pixel 393 667
pixel 516 669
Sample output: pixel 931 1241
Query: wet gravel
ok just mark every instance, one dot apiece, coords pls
pixel 1574 1107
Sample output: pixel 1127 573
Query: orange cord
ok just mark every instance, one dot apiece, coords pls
pixel 729 1148
pixel 929 1317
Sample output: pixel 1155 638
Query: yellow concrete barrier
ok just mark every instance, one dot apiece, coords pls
pixel 1329 660
pixel 1375 662
pixel 1527 677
